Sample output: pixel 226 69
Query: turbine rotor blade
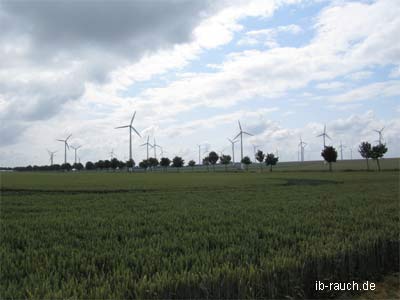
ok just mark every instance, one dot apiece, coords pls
pixel 122 126
pixel 68 137
pixel 328 136
pixel 133 117
pixel 240 126
pixel 136 130
pixel 237 136
pixel 60 140
pixel 248 133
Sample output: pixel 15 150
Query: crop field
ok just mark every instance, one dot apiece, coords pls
pixel 195 235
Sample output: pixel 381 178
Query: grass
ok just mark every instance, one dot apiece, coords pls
pixel 194 235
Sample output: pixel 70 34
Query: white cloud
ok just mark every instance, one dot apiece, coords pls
pixel 377 90
pixel 330 85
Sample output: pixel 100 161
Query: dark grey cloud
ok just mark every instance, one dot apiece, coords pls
pixel 128 28
pixel 49 50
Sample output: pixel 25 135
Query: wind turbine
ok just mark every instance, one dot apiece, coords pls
pixel 154 147
pixel 241 132
pixel 341 150
pixel 65 147
pixel 324 135
pixel 199 154
pixel 76 149
pixel 302 145
pixel 233 148
pixel 162 151
pixel 147 144
pixel 111 154
pixel 51 153
pixel 380 134
pixel 130 134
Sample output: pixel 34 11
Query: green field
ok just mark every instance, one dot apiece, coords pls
pixel 194 235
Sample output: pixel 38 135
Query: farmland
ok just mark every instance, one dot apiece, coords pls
pixel 194 235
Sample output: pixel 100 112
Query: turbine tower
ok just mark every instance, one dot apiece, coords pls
pixel 130 134
pixel 154 147
pixel 147 144
pixel 324 135
pixel 76 149
pixel 51 153
pixel 380 134
pixel 233 148
pixel 111 154
pixel 341 150
pixel 241 132
pixel 65 147
pixel 302 145
pixel 199 154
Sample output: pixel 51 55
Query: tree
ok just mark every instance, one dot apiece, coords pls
pixel 246 160
pixel 89 166
pixel 78 166
pixel 130 164
pixel 114 163
pixel 99 164
pixel 377 153
pixel 365 151
pixel 144 164
pixel 206 161
pixel 165 162
pixel 65 167
pixel 260 156
pixel 213 158
pixel 121 164
pixel 330 155
pixel 192 163
pixel 107 164
pixel 225 160
pixel 177 162
pixel 271 160
pixel 153 162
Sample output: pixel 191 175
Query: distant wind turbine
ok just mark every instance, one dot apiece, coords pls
pixel 147 144
pixel 241 132
pixel 155 148
pixel 130 134
pixel 111 154
pixel 51 154
pixel 199 154
pixel 302 145
pixel 233 148
pixel 65 147
pixel 76 149
pixel 341 146
pixel 380 134
pixel 324 135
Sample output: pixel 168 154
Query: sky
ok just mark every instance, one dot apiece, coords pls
pixel 191 70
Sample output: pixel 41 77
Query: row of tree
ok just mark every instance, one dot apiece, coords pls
pixel 366 150
pixel 329 154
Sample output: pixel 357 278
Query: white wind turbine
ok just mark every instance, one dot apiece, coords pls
pixel 76 149
pixel 199 154
pixel 111 154
pixel 233 148
pixel 65 147
pixel 155 148
pixel 130 134
pixel 51 154
pixel 147 144
pixel 341 146
pixel 380 134
pixel 324 135
pixel 241 132
pixel 301 146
